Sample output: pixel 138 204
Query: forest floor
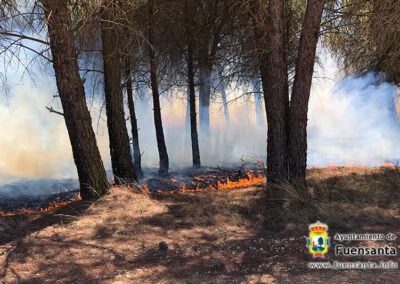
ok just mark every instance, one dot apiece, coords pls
pixel 206 237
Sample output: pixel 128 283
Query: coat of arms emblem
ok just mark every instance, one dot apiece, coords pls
pixel 318 241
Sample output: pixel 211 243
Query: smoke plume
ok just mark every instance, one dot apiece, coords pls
pixel 351 121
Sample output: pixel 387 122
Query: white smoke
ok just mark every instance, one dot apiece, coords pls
pixel 227 143
pixel 33 143
pixel 352 122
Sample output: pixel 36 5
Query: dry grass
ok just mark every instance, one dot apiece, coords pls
pixel 344 197
pixel 14 227
pixel 115 240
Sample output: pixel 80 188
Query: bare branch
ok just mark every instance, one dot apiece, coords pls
pixel 22 36
pixel 50 109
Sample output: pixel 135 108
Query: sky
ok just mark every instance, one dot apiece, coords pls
pixel 350 122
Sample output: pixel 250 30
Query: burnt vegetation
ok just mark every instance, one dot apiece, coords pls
pixel 200 237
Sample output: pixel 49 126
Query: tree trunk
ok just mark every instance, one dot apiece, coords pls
pixel 205 97
pixel 192 94
pixel 187 115
pixel 225 102
pixel 137 156
pixel 258 103
pixel 121 159
pixel 274 82
pixel 162 148
pixel 92 176
pixel 301 90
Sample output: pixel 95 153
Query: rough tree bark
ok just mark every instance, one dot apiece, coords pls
pixel 92 176
pixel 301 90
pixel 192 94
pixel 121 159
pixel 162 148
pixel 274 82
pixel 137 156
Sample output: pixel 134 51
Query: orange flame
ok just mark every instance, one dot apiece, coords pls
pixel 243 182
pixel 250 180
pixel 389 165
pixel 25 211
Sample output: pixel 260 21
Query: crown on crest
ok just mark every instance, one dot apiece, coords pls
pixel 318 227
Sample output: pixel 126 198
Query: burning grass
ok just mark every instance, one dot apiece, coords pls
pixel 251 180
pixel 208 180
pixel 51 206
pixel 116 239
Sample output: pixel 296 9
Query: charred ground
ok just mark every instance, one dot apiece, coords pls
pixel 212 236
pixel 34 199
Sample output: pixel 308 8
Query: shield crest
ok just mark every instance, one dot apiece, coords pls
pixel 318 241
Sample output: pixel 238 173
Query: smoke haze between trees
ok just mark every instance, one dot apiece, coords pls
pixel 351 122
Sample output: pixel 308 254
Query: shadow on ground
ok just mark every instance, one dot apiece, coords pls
pixel 213 237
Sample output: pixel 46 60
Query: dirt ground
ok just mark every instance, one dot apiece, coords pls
pixel 204 237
